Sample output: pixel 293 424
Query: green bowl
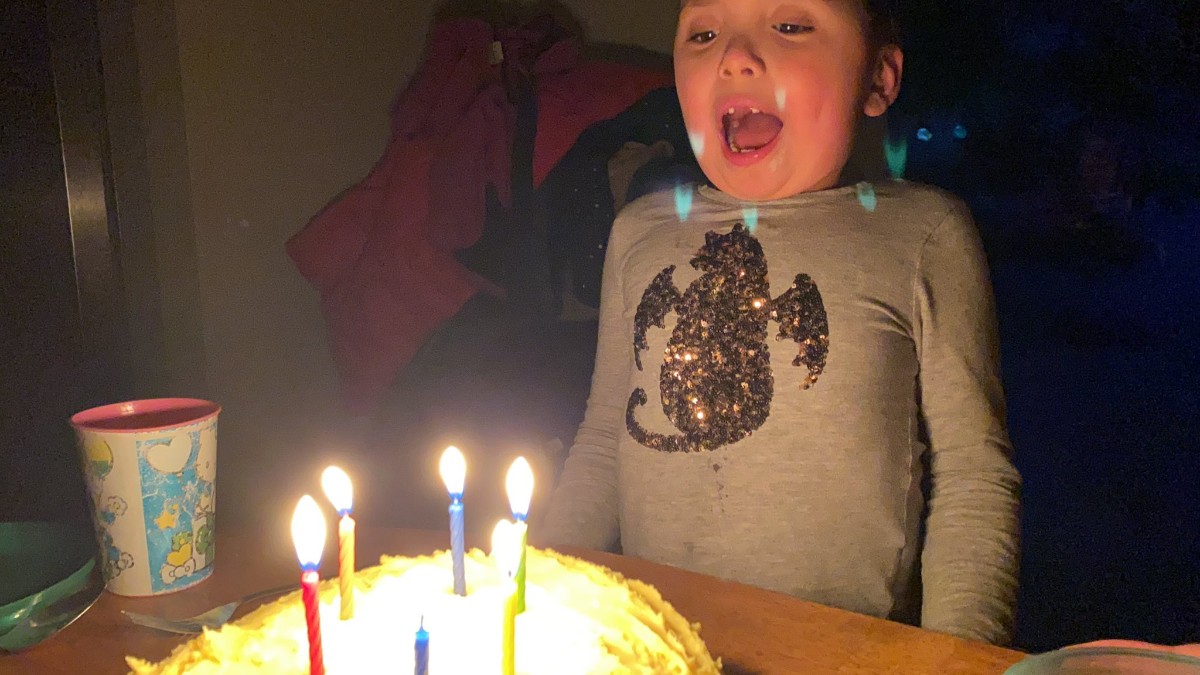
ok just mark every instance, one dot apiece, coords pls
pixel 46 572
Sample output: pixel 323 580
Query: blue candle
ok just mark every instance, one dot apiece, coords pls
pixel 453 468
pixel 422 649
pixel 456 544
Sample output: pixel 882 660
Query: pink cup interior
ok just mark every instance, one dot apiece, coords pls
pixel 153 414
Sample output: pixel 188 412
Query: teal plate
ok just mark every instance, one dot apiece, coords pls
pixel 1106 661
pixel 46 574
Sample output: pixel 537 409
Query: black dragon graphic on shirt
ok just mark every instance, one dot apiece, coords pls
pixel 716 380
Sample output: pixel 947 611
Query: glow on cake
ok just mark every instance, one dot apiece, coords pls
pixel 581 619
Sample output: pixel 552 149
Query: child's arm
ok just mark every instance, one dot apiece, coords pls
pixel 583 511
pixel 970 557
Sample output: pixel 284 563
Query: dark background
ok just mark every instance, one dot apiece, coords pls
pixel 62 345
pixel 1082 166
pixel 1080 161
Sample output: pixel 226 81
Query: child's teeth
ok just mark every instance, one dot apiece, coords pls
pixel 755 110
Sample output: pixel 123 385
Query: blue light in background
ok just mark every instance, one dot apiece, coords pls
pixel 897 156
pixel 866 196
pixel 924 134
pixel 683 201
pixel 750 217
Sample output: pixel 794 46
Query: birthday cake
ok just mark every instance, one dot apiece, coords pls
pixel 579 618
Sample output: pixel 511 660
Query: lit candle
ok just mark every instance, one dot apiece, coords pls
pixel 336 485
pixel 454 472
pixel 308 535
pixel 422 649
pixel 506 553
pixel 519 484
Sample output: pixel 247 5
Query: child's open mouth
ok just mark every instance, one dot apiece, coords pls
pixel 749 133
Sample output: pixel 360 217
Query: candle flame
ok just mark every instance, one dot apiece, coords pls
pixel 453 468
pixel 308 532
pixel 338 489
pixel 506 546
pixel 519 484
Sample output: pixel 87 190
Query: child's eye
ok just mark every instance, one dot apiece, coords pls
pixel 703 36
pixel 792 28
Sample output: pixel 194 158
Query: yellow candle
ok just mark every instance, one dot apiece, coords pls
pixel 509 663
pixel 521 530
pixel 519 485
pixel 506 551
pixel 340 492
pixel 346 566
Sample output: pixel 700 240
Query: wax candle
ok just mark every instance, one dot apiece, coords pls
pixel 509 664
pixel 506 552
pixel 519 484
pixel 340 492
pixel 308 536
pixel 453 468
pixel 422 650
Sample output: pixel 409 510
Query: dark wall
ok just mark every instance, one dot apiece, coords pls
pixel 59 285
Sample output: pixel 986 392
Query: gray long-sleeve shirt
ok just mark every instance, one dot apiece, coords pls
pixel 703 448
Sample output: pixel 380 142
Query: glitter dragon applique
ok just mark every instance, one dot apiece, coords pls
pixel 716 380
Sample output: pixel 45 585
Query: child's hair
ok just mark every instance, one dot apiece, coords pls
pixel 882 29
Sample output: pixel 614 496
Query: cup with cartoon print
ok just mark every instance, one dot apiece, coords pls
pixel 150 468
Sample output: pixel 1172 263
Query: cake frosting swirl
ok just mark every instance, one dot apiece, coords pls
pixel 580 618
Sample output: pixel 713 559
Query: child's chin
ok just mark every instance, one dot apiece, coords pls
pixel 748 190
pixel 760 182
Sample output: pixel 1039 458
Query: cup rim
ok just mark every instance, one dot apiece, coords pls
pixel 93 419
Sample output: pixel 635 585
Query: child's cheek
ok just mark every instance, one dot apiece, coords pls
pixel 696 138
pixel 695 114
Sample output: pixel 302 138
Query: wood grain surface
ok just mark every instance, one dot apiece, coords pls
pixel 754 631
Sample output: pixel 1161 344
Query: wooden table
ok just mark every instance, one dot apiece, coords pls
pixel 754 631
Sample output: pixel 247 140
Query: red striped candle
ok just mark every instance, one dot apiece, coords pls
pixel 308 535
pixel 312 618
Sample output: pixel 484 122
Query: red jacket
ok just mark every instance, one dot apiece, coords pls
pixel 381 254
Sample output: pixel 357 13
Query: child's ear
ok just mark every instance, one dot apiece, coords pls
pixel 884 86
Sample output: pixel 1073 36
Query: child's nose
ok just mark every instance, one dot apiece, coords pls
pixel 741 60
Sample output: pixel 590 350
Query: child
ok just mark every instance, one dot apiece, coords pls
pixel 859 459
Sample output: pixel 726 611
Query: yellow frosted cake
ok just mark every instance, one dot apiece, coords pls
pixel 580 618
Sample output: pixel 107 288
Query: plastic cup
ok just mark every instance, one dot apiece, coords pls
pixel 150 468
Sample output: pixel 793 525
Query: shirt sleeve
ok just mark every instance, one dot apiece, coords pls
pixel 970 557
pixel 584 508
